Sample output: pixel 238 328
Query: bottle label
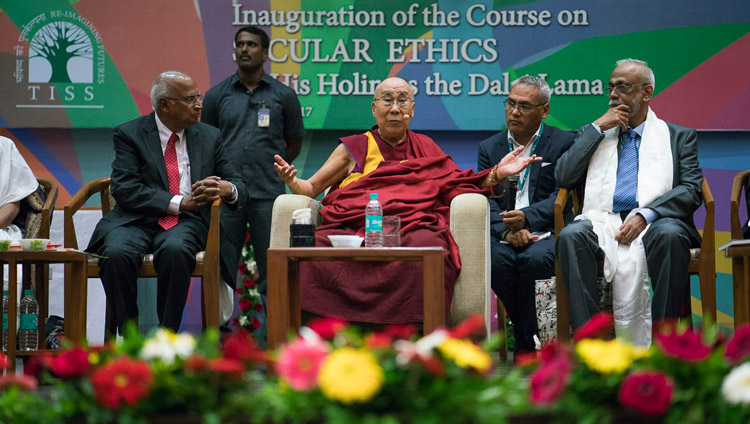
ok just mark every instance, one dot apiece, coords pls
pixel 373 223
pixel 5 322
pixel 28 321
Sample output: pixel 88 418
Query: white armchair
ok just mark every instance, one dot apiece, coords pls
pixel 470 226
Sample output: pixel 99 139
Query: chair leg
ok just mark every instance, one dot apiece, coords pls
pixel 503 348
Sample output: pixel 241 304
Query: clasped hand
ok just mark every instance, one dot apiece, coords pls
pixel 631 229
pixel 204 192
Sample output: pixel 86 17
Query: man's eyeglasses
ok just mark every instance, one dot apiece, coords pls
pixel 622 88
pixel 522 107
pixel 191 100
pixel 402 102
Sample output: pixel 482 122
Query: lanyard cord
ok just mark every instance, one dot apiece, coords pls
pixel 522 181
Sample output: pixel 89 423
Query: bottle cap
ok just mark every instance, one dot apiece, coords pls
pixel 28 292
pixel 373 195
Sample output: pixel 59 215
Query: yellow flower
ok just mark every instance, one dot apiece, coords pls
pixel 350 375
pixel 605 357
pixel 466 354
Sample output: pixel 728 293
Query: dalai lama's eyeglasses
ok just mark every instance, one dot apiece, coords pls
pixel 402 102
pixel 191 100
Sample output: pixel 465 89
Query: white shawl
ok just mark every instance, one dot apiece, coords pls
pixel 16 182
pixel 625 265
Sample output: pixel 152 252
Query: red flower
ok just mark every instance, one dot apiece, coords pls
pixel 35 365
pixel 400 331
pixel 327 327
pixel 196 363
pixel 548 382
pixel 3 362
pixel 236 321
pixel 554 350
pixel 259 307
pixel 24 382
pixel 648 393
pixel 248 282
pixel 688 345
pixel 596 327
pixel 239 292
pixel 247 237
pixel 246 304
pixel 738 347
pixel 378 341
pixel 255 323
pixel 471 325
pixel 232 368
pixel 70 364
pixel 431 364
pixel 242 268
pixel 240 346
pixel 123 381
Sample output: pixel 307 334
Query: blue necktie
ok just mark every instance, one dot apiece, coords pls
pixel 627 176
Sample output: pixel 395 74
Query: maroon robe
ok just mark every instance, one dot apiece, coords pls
pixel 419 190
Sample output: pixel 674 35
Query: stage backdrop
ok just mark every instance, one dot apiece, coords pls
pixel 89 63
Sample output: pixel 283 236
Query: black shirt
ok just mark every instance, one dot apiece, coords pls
pixel 232 108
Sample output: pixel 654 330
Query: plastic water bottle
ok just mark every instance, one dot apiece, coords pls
pixel 5 320
pixel 374 222
pixel 29 332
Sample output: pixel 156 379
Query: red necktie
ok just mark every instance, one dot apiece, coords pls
pixel 173 174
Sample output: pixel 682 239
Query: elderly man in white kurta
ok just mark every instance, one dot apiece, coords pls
pixel 642 185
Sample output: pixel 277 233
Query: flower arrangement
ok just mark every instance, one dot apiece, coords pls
pixel 333 372
pixel 135 379
pixel 251 313
pixel 684 377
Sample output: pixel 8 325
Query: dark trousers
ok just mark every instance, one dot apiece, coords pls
pixel 257 214
pixel 174 259
pixel 667 243
pixel 514 271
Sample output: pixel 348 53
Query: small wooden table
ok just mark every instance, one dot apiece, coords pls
pixel 740 255
pixel 283 282
pixel 75 294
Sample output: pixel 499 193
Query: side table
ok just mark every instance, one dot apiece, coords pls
pixel 740 255
pixel 284 312
pixel 75 294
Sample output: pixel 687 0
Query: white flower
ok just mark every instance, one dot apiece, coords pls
pixel 244 320
pixel 166 345
pixel 736 385
pixel 423 348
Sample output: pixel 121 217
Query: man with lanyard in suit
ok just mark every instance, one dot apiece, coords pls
pixel 168 169
pixel 642 186
pixel 523 207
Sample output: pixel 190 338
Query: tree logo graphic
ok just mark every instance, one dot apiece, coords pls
pixel 61 52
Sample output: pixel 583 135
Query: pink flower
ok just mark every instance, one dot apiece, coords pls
pixel 471 325
pixel 548 382
pixel 648 393
pixel 3 362
pixel 400 331
pixel 554 350
pixel 688 345
pixel 327 327
pixel 70 364
pixel 596 327
pixel 299 362
pixel 246 304
pixel 23 382
pixel 738 347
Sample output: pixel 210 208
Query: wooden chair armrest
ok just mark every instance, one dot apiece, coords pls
pixel 735 200
pixel 51 189
pixel 708 242
pixel 89 189
pixel 560 201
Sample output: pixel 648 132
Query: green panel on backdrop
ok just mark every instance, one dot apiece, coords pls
pixel 670 53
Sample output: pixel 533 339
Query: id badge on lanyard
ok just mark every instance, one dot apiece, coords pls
pixel 264 116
